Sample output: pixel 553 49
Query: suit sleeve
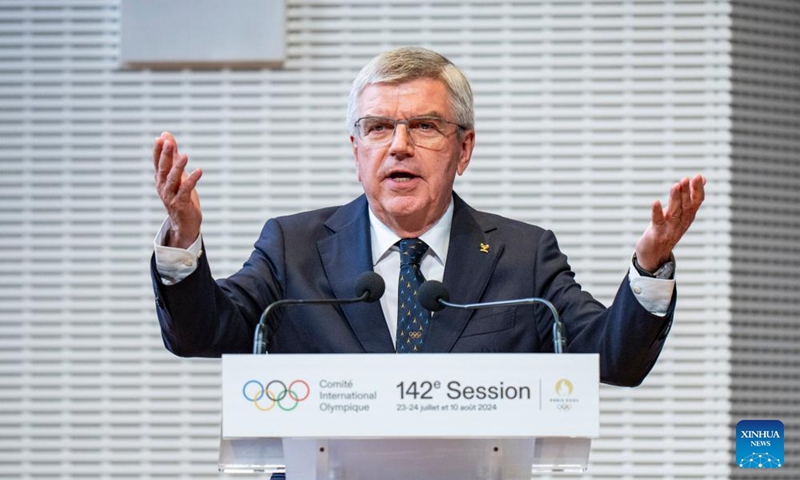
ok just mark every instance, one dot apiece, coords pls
pixel 628 338
pixel 201 317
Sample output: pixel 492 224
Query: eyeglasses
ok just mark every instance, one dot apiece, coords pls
pixel 425 132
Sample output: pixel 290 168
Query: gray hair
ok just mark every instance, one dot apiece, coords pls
pixel 411 63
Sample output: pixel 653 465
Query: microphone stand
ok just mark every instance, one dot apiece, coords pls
pixel 559 344
pixel 260 341
pixel 434 296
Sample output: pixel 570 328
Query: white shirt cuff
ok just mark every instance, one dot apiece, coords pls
pixel 654 294
pixel 175 264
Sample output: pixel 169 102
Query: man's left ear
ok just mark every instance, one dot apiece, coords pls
pixel 354 147
pixel 467 144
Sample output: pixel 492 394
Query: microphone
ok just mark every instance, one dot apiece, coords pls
pixel 369 288
pixel 433 296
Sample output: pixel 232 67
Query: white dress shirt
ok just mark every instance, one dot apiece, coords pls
pixel 386 259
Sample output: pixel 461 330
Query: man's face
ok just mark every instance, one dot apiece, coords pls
pixel 409 187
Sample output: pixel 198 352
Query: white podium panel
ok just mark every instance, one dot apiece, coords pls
pixel 388 459
pixel 493 416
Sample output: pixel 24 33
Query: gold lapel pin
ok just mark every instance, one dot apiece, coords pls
pixel 484 247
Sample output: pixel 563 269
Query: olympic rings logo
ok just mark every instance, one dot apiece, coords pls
pixel 265 397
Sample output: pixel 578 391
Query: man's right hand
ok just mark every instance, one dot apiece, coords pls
pixel 177 192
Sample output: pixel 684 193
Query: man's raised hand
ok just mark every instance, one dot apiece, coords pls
pixel 667 225
pixel 177 192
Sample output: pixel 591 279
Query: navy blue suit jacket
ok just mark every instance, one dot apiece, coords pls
pixel 319 254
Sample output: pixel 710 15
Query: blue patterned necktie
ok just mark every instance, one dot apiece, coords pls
pixel 412 319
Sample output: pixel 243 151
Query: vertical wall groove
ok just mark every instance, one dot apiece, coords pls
pixel 766 220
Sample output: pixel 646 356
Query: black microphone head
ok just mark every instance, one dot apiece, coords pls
pixel 371 284
pixel 430 293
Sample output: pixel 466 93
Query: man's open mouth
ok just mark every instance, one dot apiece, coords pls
pixel 402 176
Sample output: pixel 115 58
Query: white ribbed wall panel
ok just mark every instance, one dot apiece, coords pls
pixel 586 112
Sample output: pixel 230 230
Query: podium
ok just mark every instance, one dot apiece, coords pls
pixel 442 416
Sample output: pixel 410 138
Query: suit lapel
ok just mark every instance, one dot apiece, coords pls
pixel 471 259
pixel 345 255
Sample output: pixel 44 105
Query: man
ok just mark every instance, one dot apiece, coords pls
pixel 411 117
